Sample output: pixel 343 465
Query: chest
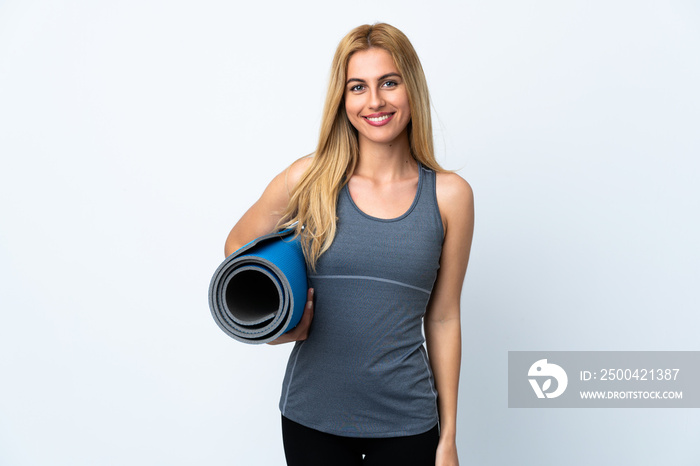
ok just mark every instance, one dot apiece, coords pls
pixel 384 201
pixel 404 249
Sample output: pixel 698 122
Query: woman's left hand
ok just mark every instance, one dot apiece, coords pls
pixel 446 454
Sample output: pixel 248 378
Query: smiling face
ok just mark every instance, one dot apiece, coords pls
pixel 376 99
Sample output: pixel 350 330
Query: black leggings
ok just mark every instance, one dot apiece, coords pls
pixel 309 447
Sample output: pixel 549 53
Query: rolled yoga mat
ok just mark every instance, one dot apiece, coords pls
pixel 259 292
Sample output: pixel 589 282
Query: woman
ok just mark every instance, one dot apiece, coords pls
pixel 386 235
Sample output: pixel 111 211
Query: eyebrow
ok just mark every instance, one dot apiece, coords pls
pixel 379 79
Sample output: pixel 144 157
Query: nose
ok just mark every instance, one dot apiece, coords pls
pixel 376 100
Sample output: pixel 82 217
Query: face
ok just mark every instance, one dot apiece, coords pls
pixel 376 99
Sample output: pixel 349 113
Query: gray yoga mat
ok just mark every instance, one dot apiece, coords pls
pixel 258 293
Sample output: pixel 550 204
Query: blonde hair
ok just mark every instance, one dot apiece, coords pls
pixel 313 199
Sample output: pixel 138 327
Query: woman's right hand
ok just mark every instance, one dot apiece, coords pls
pixel 301 331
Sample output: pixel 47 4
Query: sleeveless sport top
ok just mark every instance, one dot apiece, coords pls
pixel 363 371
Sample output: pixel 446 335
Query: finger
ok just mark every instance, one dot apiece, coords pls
pixel 309 305
pixel 301 331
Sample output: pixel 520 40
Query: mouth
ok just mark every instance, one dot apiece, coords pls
pixel 378 119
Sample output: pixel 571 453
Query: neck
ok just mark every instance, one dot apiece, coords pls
pixel 385 161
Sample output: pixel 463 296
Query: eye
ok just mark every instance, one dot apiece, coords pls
pixel 390 84
pixel 357 88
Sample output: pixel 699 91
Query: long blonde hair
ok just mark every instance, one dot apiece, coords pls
pixel 313 199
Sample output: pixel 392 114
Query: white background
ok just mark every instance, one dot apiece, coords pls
pixel 134 134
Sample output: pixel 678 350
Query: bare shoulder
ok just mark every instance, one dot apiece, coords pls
pixel 276 195
pixel 262 217
pixel 295 171
pixel 455 198
pixel 456 204
pixel 278 191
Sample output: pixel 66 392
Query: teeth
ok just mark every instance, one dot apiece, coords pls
pixel 381 118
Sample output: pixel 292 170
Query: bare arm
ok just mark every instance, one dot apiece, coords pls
pixel 261 219
pixel 442 320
